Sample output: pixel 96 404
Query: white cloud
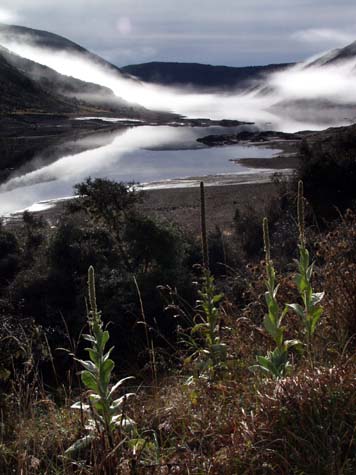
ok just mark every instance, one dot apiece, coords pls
pixel 324 36
pixel 8 16
pixel 231 32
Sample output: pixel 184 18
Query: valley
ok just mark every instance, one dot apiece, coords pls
pixel 50 115
pixel 177 237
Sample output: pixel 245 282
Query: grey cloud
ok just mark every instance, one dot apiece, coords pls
pixel 235 32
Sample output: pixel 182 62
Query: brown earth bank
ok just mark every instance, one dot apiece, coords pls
pixel 279 162
pixel 182 205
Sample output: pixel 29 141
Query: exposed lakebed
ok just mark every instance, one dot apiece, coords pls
pixel 158 156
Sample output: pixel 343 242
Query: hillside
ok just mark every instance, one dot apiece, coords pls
pixel 202 75
pixel 336 56
pixel 46 39
pixel 31 88
pixel 67 94
pixel 19 93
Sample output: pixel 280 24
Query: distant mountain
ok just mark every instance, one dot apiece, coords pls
pixel 321 110
pixel 202 75
pixel 336 55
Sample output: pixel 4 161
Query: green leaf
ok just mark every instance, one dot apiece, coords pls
pixel 199 327
pixel 105 372
pixel 120 401
pixel 119 383
pixel 283 314
pixel 104 339
pixel 273 329
pixel 89 338
pixel 265 364
pixel 275 291
pixel 99 405
pixel 302 284
pixel 269 324
pixel 297 344
pixel 80 444
pixel 317 297
pixel 315 318
pixel 107 354
pixel 89 381
pixel 309 272
pixel 88 365
pixel 217 298
pixel 304 258
pixel 93 355
pixel 79 405
pixel 298 309
pixel 273 309
pixel 137 444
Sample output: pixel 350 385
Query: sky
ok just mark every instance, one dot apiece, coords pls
pixel 229 32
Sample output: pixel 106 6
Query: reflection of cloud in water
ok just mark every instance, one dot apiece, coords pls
pixel 61 147
pixel 128 158
pixel 98 160
pixel 45 157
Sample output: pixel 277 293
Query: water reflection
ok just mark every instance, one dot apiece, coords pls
pixel 140 154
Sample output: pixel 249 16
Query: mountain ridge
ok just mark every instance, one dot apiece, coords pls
pixel 202 75
pixel 47 39
pixel 31 88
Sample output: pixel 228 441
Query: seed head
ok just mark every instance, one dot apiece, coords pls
pixel 91 290
pixel 300 213
pixel 267 244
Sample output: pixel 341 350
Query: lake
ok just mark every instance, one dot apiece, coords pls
pixel 157 156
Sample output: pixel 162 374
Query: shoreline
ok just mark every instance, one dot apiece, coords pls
pixel 247 185
pixel 181 205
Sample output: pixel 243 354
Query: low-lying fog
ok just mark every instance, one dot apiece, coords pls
pixel 306 96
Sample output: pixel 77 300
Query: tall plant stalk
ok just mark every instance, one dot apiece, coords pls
pixel 106 414
pixel 310 311
pixel 209 351
pixel 276 362
pixel 204 237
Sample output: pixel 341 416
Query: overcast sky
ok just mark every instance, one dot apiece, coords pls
pixel 230 32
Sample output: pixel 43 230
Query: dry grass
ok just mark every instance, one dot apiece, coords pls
pixel 237 423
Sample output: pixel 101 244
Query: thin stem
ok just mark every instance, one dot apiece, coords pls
pixel 204 238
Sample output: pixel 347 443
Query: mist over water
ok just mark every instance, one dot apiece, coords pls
pixel 310 95
pixel 274 106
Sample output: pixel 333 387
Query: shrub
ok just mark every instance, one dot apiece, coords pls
pixel 10 257
pixel 328 170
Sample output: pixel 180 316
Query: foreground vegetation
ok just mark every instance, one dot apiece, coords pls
pixel 191 366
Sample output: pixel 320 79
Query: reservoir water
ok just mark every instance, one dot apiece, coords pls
pixel 143 154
